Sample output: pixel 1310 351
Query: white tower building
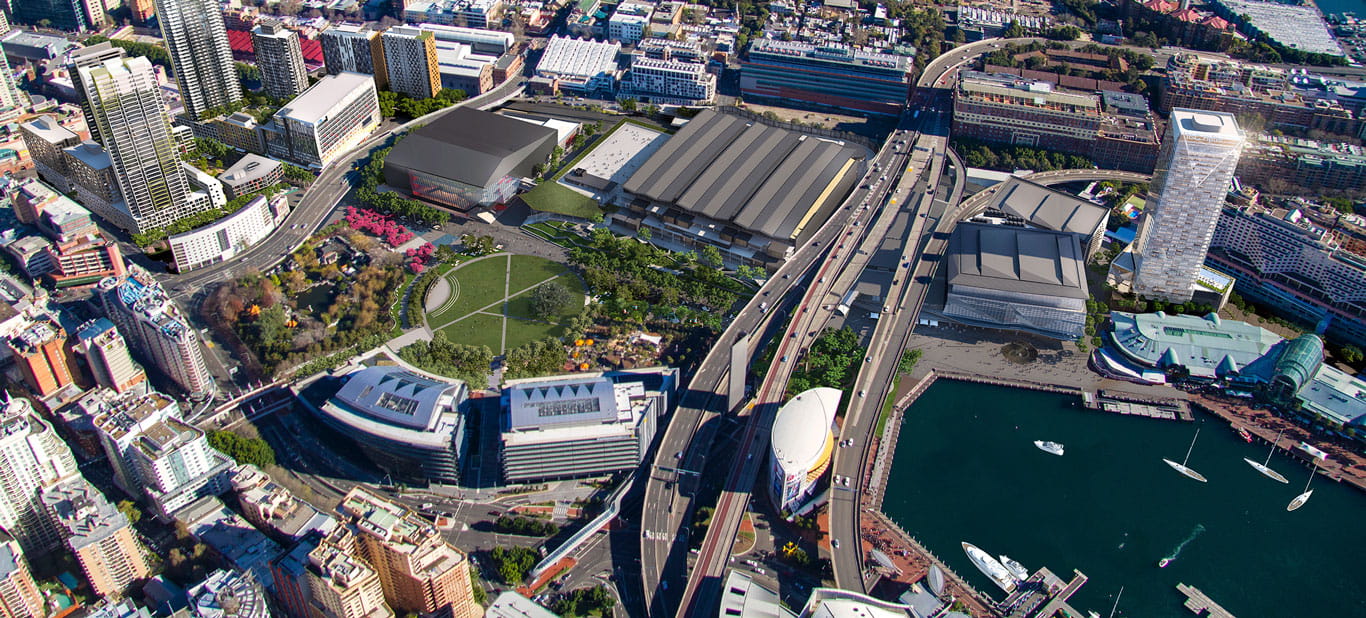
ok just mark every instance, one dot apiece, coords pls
pixel 1193 173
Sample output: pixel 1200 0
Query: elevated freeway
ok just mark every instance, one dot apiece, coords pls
pixel 703 410
pixel 833 278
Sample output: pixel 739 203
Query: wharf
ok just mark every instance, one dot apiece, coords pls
pixel 1130 404
pixel 1198 602
pixel 1043 595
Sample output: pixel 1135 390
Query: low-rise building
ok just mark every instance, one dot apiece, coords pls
pixel 1020 203
pixel 468 158
pixel 1284 99
pixel 1016 278
pixel 1282 164
pixel 469 13
pixel 580 65
pixel 705 187
pixel 670 82
pixel 270 506
pixel 231 537
pixel 225 238
pixel 583 424
pixel 410 423
pixel 229 594
pixel 333 116
pixel 251 173
pixel 1004 108
pixel 630 22
pixel 800 446
pixel 831 75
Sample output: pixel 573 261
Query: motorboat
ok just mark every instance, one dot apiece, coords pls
pixel 1049 447
pixel 1244 434
pixel 1182 468
pixel 1264 468
pixel 992 568
pixel 1015 568
pixel 1162 564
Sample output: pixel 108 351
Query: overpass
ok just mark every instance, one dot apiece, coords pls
pixel 687 442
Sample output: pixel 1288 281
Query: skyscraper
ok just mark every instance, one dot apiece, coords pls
pixel 410 59
pixel 9 94
pixel 32 457
pixel 1192 177
pixel 198 43
pixel 19 595
pixel 90 56
pixel 126 105
pixel 280 58
pixel 106 352
pixel 98 534
pixel 153 324
pixel 348 47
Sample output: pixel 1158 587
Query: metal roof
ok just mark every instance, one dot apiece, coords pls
pixel 473 147
pixel 1206 346
pixel 801 434
pixel 1012 259
pixel 1042 207
pixel 761 178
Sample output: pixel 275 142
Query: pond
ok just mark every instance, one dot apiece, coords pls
pixel 316 299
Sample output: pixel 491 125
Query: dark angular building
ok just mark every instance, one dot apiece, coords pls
pixel 468 158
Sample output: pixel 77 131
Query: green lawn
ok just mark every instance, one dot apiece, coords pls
pixel 522 332
pixel 474 286
pixel 478 329
pixel 529 270
pixel 520 306
pixel 550 196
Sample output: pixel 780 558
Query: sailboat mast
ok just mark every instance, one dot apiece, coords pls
pixel 1116 605
pixel 1311 476
pixel 1191 447
pixel 1272 450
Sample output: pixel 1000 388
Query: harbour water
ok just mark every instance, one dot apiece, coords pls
pixel 1328 7
pixel 966 469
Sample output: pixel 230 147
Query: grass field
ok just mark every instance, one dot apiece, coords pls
pixel 480 303
pixel 478 329
pixel 473 286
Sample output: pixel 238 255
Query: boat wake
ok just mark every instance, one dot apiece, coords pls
pixel 1199 528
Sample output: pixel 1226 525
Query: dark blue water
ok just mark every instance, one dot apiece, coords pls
pixel 966 469
pixel 1328 7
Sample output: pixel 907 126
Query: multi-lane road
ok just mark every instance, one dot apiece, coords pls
pixel 687 440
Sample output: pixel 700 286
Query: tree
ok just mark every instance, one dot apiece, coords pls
pixel 254 451
pixel 513 563
pixel 644 234
pixel 130 510
pixel 711 256
pixel 1351 355
pixel 1013 31
pixel 628 105
pixel 908 360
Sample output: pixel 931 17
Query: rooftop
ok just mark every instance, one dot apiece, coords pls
pixel 709 168
pixel 801 435
pixel 1010 259
pixel 473 147
pixel 1206 346
pixel 1042 207
pixel 832 53
pixel 396 396
pixel 323 98
pixel 49 129
pixel 509 604
pixel 578 57
pixel 1222 126
pixel 248 168
pixel 85 513
pixel 1298 26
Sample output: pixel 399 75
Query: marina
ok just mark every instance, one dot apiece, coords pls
pixel 1094 511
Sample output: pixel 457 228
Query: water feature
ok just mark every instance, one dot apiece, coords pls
pixel 1329 7
pixel 966 469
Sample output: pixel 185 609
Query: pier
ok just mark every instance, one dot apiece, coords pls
pixel 1131 404
pixel 1198 602
pixel 1043 595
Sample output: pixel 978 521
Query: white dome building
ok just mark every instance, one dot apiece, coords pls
pixel 800 445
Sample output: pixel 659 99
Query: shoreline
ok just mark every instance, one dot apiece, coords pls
pixel 913 560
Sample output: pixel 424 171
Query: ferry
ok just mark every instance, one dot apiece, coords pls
pixel 1049 447
pixel 993 569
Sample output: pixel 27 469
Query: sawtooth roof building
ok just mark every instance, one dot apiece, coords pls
pixel 1023 279
pixel 468 158
pixel 707 186
pixel 582 424
pixel 408 422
